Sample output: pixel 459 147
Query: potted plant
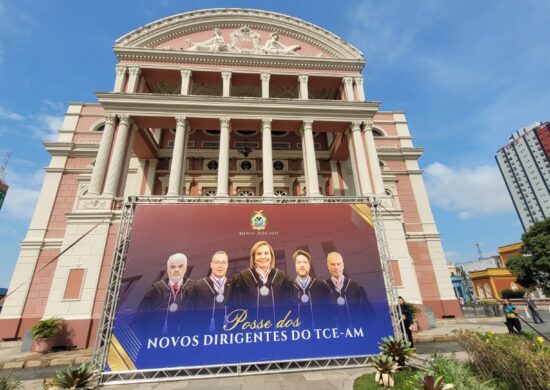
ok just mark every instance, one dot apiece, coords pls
pixel 74 377
pixel 385 369
pixel 44 332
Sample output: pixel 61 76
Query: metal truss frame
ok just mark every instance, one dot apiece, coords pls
pixel 105 328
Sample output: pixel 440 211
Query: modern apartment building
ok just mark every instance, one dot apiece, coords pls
pixel 525 166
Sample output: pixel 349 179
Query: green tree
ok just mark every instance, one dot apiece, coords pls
pixel 532 266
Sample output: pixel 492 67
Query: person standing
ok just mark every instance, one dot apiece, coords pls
pixel 533 309
pixel 407 316
pixel 512 321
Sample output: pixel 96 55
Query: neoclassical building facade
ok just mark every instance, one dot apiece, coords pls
pixel 222 103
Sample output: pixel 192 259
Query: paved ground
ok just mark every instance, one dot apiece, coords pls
pixel 31 368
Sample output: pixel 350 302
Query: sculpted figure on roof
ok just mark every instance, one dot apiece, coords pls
pixel 216 43
pixel 273 46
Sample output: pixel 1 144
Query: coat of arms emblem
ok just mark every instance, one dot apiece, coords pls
pixel 258 221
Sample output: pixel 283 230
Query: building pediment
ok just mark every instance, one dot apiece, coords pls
pixel 242 32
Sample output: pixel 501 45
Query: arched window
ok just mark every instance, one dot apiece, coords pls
pixel 377 133
pixel 98 127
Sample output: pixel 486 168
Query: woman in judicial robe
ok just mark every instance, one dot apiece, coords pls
pixel 262 289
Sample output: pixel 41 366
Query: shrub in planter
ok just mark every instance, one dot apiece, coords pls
pixel 385 369
pixel 44 332
pixel 430 382
pixel 74 377
pixel 398 349
pixel 6 383
pixel 515 361
pixel 461 374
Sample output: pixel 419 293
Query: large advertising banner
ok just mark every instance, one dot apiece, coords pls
pixel 219 284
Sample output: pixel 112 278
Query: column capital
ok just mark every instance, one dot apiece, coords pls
pixel 355 126
pixel 265 76
pixel 134 70
pixel 226 75
pixel 225 121
pixel 347 80
pixel 181 120
pixel 121 70
pixel 110 119
pixel 307 124
pixel 303 78
pixel 266 122
pixel 125 119
pixel 185 73
pixel 367 124
pixel 358 81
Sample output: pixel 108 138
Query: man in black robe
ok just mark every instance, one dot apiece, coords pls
pixel 348 298
pixel 308 294
pixel 208 296
pixel 262 289
pixel 166 298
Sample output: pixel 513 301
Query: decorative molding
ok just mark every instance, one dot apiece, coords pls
pixel 134 70
pixel 164 30
pixel 110 119
pixel 237 107
pixel 217 43
pixel 181 120
pixel 225 121
pixel 367 124
pixel 126 119
pixel 236 59
pixel 92 204
pixel 355 126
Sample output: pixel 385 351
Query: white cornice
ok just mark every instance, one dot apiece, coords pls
pixel 232 59
pixel 163 30
pixel 235 107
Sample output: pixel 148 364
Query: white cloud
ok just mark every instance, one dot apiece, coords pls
pixel 46 127
pixel 467 191
pixel 23 192
pixel 9 115
pixel 53 104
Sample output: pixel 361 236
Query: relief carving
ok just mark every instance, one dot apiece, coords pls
pixel 238 37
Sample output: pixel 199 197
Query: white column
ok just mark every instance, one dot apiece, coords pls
pixel 267 158
pixel 223 160
pixel 265 84
pixel 119 80
pixel 133 78
pixel 303 86
pixel 348 88
pixel 185 78
pixel 360 162
pixel 102 159
pixel 307 142
pixel 359 87
pixel 373 158
pixel 176 166
pixel 117 159
pixel 226 77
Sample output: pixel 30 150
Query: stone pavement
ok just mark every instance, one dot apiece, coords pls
pixel 32 367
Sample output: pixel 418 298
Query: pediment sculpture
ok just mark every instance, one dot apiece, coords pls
pixel 244 34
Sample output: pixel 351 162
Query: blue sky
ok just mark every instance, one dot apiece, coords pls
pixel 467 73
